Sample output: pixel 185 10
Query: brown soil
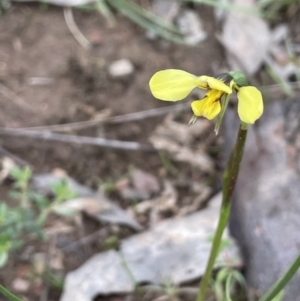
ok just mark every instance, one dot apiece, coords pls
pixel 36 43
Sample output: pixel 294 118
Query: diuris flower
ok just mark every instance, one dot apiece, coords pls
pixel 209 106
pixel 174 85
pixel 250 106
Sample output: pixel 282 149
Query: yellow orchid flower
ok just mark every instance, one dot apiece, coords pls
pixel 174 85
pixel 250 105
pixel 209 106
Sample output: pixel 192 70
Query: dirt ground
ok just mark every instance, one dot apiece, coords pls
pixel 37 43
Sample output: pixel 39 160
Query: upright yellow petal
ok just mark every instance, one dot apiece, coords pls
pixel 250 105
pixel 172 84
pixel 214 83
pixel 209 107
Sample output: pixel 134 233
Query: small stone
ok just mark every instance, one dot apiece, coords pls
pixel 190 24
pixel 20 285
pixel 166 9
pixel 121 68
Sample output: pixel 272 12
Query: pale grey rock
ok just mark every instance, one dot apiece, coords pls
pixel 43 184
pixel 103 273
pixel 246 38
pixel 266 208
pixel 174 250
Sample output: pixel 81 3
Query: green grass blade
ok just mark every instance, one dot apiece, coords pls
pixel 104 9
pixel 141 17
pixel 6 293
pixel 284 86
pixel 152 17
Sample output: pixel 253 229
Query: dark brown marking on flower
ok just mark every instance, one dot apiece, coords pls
pixel 225 78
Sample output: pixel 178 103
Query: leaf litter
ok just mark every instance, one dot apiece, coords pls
pixel 160 197
pixel 180 141
pixel 93 203
pixel 139 185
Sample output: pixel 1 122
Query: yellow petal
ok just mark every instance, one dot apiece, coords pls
pixel 172 84
pixel 209 107
pixel 250 106
pixel 216 84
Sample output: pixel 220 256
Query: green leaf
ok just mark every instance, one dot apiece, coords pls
pixel 228 287
pixel 63 191
pixel 3 259
pixel 64 211
pixel 103 8
pixel 21 174
pixel 40 200
pixel 279 296
pixel 239 77
pixel 6 293
pixel 148 20
pixel 3 213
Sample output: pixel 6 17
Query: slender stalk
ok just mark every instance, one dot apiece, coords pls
pixel 6 293
pixel 224 214
pixel 222 113
pixel 229 180
pixel 276 288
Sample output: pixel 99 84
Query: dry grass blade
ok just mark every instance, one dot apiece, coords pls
pixel 80 38
pixel 10 95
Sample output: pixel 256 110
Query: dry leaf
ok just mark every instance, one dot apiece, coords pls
pixel 98 207
pixel 165 202
pixel 59 227
pixel 91 206
pixel 140 185
pixel 43 183
pixel 7 165
pixel 93 203
pixel 179 140
pixel 145 183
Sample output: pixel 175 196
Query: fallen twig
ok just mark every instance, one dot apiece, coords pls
pixel 116 144
pixel 15 158
pixel 112 120
pixel 85 240
pixel 10 95
pixel 133 116
pixel 80 38
pixel 179 290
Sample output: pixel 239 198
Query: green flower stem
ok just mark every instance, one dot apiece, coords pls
pixel 222 113
pixel 229 180
pixel 6 293
pixel 276 288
